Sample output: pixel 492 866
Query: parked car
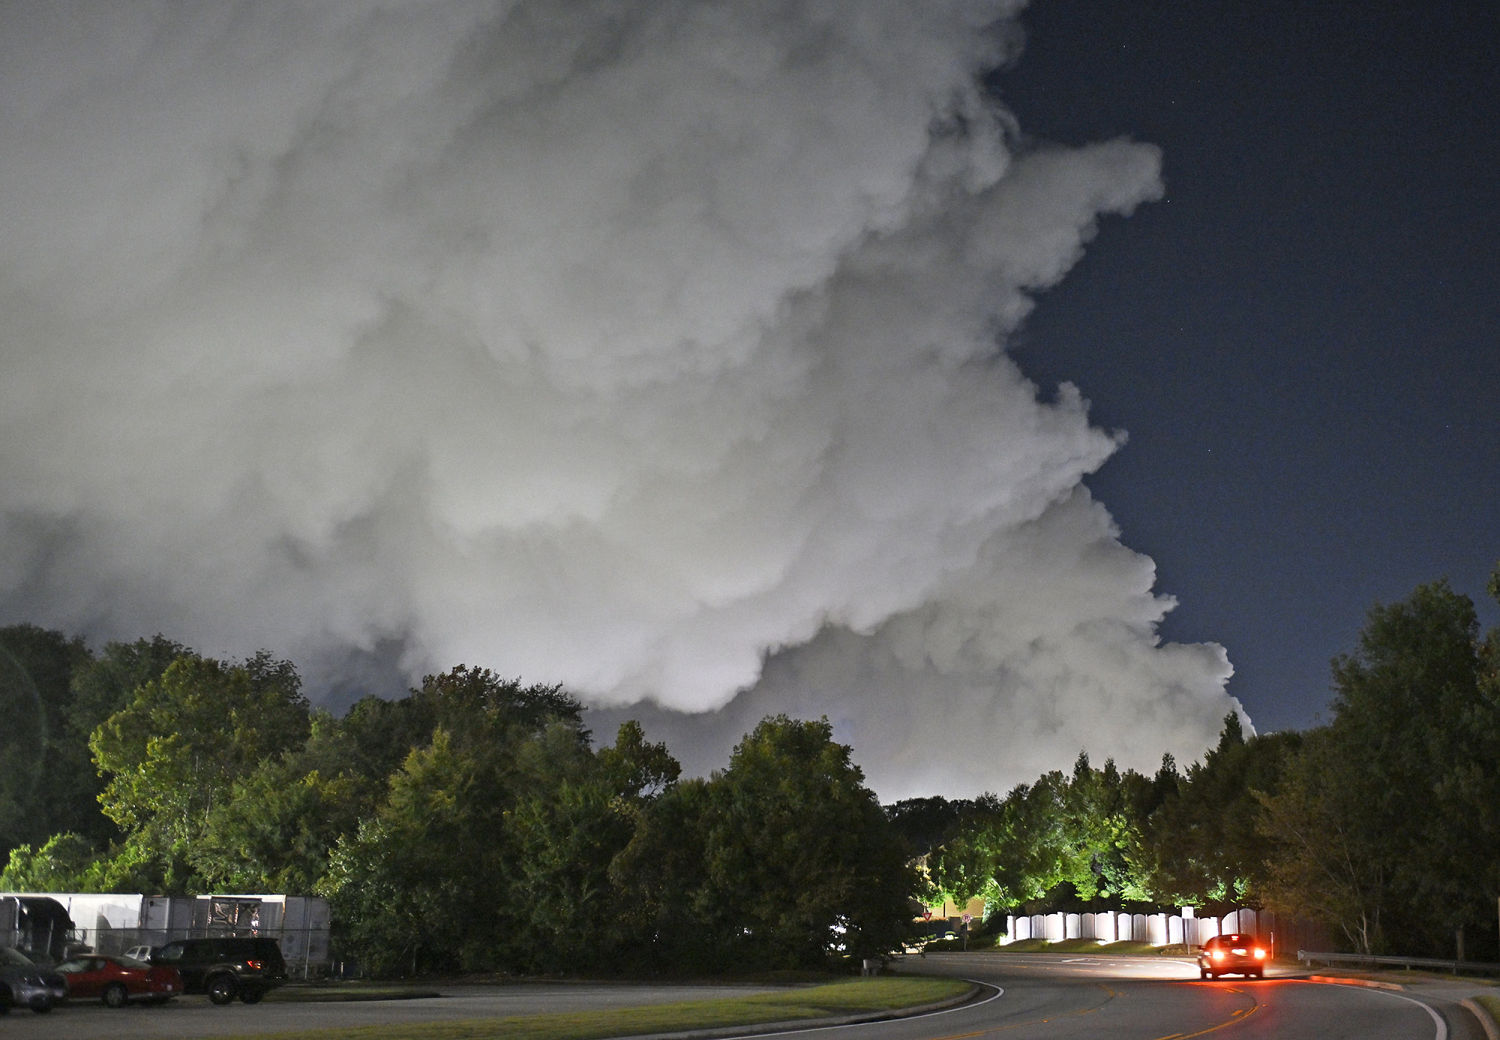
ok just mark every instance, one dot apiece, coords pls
pixel 24 983
pixel 1232 954
pixel 119 980
pixel 225 968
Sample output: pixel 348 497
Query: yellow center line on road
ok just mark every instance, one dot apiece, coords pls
pixel 1235 1018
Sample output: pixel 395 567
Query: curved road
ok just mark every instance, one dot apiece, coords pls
pixel 1039 996
pixel 1070 998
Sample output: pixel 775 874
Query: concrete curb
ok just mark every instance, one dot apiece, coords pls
pixel 1486 1020
pixel 1479 1011
pixel 1345 980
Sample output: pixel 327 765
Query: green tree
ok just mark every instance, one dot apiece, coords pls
pixel 1059 841
pixel 427 881
pixel 1404 776
pixel 1033 842
pixel 568 827
pixel 1205 846
pixel 405 886
pixel 66 862
pixel 659 879
pixel 1101 831
pixel 1324 860
pixel 636 769
pixel 275 829
pixel 109 681
pixel 174 754
pixel 800 859
pixel 47 783
pixel 932 829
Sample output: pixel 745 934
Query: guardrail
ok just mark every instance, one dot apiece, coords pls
pixel 1370 960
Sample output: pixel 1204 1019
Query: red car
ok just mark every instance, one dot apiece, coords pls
pixel 119 980
pixel 1233 954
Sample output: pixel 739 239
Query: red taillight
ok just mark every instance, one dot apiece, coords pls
pixel 253 965
pixel 1260 954
pixel 1218 955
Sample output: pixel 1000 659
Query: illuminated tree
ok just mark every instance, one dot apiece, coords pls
pixel 274 830
pixel 67 862
pixel 174 754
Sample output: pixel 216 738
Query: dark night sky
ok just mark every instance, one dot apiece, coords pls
pixel 1300 339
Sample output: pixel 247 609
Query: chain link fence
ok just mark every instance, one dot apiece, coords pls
pixel 119 924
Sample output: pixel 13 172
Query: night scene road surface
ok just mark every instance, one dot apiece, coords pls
pixel 1136 998
pixel 1043 996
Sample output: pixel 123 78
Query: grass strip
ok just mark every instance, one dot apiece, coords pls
pixel 853 997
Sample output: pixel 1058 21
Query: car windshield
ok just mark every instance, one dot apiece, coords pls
pixel 15 958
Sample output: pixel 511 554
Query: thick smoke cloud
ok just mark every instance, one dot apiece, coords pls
pixel 652 348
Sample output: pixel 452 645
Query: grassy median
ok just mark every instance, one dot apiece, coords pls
pixel 852 997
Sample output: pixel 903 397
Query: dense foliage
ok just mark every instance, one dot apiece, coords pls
pixel 1383 825
pixel 469 826
pixel 475 824
pixel 1389 821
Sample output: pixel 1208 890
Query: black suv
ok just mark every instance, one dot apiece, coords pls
pixel 225 968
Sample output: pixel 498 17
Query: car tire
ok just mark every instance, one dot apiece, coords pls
pixel 1203 973
pixel 222 989
pixel 115 995
pixel 41 1007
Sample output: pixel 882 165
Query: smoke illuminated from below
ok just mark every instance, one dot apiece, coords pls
pixel 654 349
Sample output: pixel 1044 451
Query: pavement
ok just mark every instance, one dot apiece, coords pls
pixel 729 1032
pixel 1454 989
pixel 1450 989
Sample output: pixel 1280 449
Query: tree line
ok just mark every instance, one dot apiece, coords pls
pixel 470 826
pixel 476 824
pixel 1383 825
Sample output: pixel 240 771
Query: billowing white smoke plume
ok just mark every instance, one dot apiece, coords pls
pixel 654 348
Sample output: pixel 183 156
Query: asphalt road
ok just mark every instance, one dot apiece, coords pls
pixel 1034 996
pixel 1071 998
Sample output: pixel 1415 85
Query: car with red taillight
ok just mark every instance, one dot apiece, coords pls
pixel 225 968
pixel 1233 954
